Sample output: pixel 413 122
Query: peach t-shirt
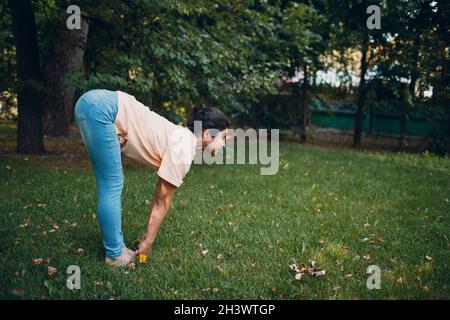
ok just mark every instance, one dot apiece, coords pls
pixel 152 139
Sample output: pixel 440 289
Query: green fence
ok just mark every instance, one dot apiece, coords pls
pixel 282 111
pixel 378 120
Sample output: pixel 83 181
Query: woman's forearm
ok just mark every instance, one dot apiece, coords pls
pixel 157 216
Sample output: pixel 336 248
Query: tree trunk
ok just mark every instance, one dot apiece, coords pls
pixel 305 109
pixel 67 56
pixel 29 128
pixel 361 93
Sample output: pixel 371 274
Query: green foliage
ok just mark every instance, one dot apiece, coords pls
pixel 230 54
pixel 225 54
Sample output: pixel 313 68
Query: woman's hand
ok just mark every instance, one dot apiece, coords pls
pixel 145 247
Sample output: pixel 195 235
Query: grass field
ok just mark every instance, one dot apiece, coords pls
pixel 346 210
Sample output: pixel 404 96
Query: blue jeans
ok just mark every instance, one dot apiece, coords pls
pixel 95 113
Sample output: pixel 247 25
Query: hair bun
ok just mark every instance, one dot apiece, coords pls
pixel 199 109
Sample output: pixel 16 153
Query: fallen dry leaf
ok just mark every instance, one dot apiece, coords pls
pixel 220 256
pixel 131 266
pixel 51 271
pixel 39 261
pixel 26 222
pixel 298 276
pixel 367 256
pixel 17 292
pixel 317 272
pixel 428 258
pixel 299 270
pixel 205 252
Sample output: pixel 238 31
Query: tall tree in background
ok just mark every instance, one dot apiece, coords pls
pixel 300 38
pixel 63 54
pixel 362 90
pixel 349 31
pixel 29 89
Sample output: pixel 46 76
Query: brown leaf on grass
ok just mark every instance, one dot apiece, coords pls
pixel 299 270
pixel 349 275
pixel 79 251
pixel 220 256
pixel 205 252
pixel 131 266
pixel 294 268
pixel 298 276
pixel 26 222
pixel 317 272
pixel 218 268
pixel 345 249
pixel 336 289
pixel 40 261
pixel 51 271
pixel 17 292
pixel 367 256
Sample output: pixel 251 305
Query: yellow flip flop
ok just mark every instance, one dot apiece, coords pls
pixel 142 258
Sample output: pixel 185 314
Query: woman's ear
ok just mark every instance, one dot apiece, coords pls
pixel 206 135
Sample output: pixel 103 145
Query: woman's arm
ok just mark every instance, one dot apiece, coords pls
pixel 160 205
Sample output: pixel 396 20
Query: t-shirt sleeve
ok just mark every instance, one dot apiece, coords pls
pixel 176 163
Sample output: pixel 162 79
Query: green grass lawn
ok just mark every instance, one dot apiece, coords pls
pixel 346 210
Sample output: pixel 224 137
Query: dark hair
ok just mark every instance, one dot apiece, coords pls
pixel 211 118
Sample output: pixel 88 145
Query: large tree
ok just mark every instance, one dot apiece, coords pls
pixel 29 87
pixel 63 53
